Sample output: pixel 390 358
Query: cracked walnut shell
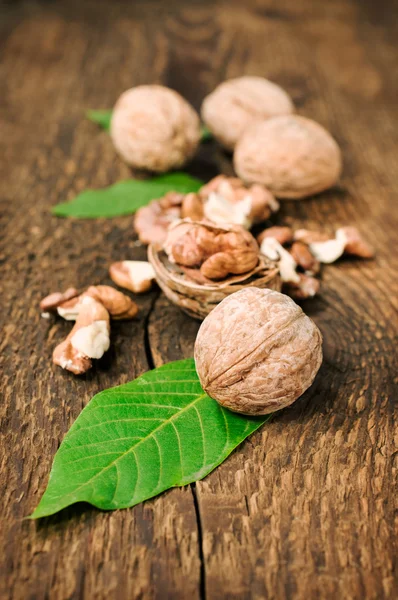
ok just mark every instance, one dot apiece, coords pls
pixel 154 128
pixel 257 352
pixel 236 103
pixel 197 295
pixel 292 156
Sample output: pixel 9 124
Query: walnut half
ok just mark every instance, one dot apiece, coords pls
pixel 216 250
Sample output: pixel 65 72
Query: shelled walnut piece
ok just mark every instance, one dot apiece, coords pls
pixel 223 200
pixel 152 221
pixel 230 200
pixel 88 339
pixel 52 301
pixel 134 275
pixel 306 250
pixel 119 306
pixel 257 352
pixel 214 250
pixel 91 310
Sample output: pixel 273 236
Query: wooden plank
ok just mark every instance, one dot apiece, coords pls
pixel 305 508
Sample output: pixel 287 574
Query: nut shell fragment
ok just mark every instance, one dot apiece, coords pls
pixel 195 294
pixel 292 156
pixel 257 352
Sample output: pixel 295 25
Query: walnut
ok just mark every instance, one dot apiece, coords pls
pixel 52 301
pixel 283 235
pixel 236 103
pixel 216 251
pixel 309 237
pixel 306 287
pixel 197 295
pixel 327 252
pixel 354 242
pixel 273 250
pixel 88 339
pixel 119 306
pixel 229 200
pixel 328 249
pixel 151 222
pixel 134 275
pixel 292 156
pixel 257 352
pixel 304 258
pixel 192 207
pixel 154 128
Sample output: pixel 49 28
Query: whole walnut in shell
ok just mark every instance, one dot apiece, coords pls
pixel 257 352
pixel 293 156
pixel 234 104
pixel 154 128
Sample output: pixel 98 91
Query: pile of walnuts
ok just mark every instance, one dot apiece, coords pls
pixel 156 129
pixel 276 154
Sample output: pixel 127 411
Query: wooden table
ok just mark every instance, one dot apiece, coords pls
pixel 305 507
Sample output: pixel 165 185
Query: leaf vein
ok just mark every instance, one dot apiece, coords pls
pixel 89 482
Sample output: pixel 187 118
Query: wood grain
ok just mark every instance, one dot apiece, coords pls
pixel 306 508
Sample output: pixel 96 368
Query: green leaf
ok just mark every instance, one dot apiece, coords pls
pixel 134 441
pixel 125 197
pixel 207 135
pixel 101 117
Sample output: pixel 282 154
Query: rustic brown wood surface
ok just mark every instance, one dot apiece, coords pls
pixel 305 507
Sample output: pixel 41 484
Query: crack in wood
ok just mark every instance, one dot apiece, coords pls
pixel 147 343
pixel 202 579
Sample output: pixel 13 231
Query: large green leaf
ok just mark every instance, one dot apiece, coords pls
pixel 125 197
pixel 134 441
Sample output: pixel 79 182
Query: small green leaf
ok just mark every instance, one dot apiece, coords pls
pixel 207 135
pixel 101 117
pixel 134 441
pixel 125 197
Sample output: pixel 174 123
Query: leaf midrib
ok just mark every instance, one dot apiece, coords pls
pixel 132 449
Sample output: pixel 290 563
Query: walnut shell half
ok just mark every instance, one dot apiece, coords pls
pixel 292 156
pixel 197 296
pixel 257 352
